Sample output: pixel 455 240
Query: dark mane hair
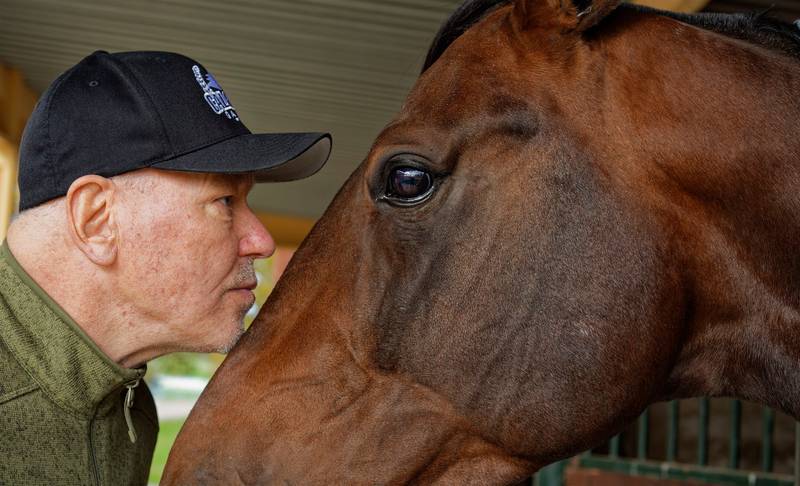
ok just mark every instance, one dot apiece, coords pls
pixel 465 16
pixel 755 27
pixel 758 28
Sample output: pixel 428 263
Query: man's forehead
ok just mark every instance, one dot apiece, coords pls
pixel 233 181
pixel 202 181
pixel 199 184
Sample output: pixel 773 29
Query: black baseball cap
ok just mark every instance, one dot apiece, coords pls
pixel 114 113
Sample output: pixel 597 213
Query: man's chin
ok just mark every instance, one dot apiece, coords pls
pixel 230 341
pixel 220 332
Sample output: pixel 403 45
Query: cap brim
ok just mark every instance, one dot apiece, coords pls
pixel 271 157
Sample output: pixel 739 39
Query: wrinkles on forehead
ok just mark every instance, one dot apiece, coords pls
pixel 236 183
pixel 166 184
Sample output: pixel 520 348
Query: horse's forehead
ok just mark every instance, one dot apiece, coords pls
pixel 462 83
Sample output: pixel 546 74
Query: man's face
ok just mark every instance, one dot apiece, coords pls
pixel 186 248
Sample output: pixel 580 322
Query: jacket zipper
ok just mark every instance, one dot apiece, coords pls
pixel 128 420
pixel 129 395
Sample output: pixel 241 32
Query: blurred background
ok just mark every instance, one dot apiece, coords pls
pixel 342 66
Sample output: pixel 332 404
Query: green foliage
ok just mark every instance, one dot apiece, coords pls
pixel 184 364
pixel 166 437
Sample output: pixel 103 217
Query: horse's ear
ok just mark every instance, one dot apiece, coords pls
pixel 567 15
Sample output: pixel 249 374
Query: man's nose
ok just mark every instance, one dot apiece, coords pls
pixel 255 242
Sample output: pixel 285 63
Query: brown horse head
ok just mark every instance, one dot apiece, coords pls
pixel 580 210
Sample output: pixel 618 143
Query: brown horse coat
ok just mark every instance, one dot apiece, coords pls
pixel 607 216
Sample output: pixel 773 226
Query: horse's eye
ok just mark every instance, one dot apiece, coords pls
pixel 409 184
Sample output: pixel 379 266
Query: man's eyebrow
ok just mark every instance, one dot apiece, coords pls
pixel 231 182
pixel 249 182
pixel 244 184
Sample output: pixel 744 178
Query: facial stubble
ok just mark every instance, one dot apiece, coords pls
pixel 245 274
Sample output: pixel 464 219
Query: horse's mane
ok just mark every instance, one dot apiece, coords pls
pixel 465 16
pixel 755 27
pixel 758 28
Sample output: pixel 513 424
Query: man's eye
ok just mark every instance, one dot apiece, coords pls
pixel 227 200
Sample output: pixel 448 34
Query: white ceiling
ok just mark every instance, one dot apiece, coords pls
pixel 342 66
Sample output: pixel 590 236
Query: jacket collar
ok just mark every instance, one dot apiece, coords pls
pixel 51 346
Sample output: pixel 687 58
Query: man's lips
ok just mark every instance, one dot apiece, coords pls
pixel 248 286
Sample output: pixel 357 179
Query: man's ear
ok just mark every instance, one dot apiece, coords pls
pixel 563 15
pixel 89 204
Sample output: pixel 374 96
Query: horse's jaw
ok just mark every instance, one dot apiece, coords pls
pixel 324 419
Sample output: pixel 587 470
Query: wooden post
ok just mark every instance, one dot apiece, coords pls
pixel 16 104
pixel 8 184
pixel 675 5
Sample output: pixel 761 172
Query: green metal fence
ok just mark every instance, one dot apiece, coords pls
pixel 639 462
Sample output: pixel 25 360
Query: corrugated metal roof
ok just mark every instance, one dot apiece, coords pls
pixel 288 65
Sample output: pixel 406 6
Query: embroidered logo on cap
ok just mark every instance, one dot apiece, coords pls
pixel 214 95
